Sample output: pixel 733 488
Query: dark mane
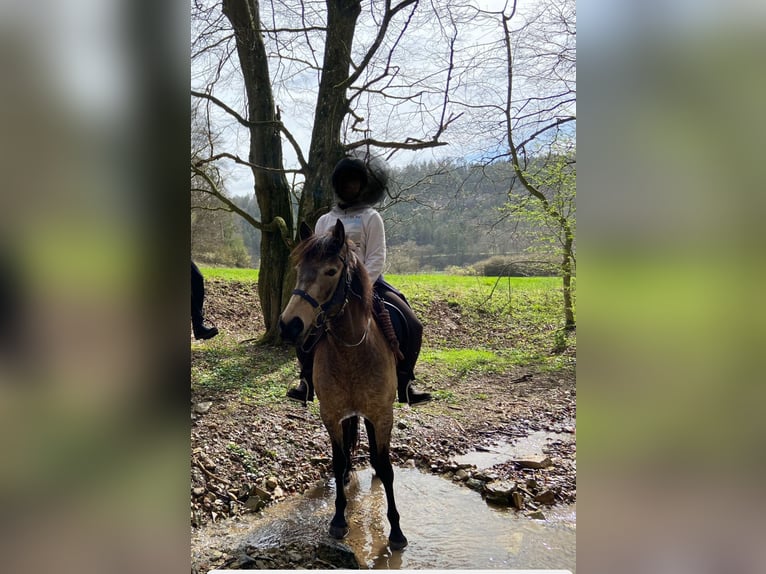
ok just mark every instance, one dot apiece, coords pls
pixel 317 248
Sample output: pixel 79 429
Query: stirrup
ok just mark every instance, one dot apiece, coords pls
pixel 302 393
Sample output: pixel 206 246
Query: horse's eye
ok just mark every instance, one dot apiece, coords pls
pixel 332 272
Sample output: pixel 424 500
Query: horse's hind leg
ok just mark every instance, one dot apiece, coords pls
pixel 373 447
pixel 338 524
pixel 381 462
pixel 350 436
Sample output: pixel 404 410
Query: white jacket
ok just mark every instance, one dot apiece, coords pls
pixel 364 226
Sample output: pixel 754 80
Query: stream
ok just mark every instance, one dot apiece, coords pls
pixel 448 526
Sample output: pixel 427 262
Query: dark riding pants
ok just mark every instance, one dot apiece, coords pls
pixel 197 295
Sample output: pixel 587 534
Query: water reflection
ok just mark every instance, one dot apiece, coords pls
pixel 448 527
pixel 451 527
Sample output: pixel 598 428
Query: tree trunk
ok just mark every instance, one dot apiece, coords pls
pixel 566 267
pixel 271 188
pixel 331 108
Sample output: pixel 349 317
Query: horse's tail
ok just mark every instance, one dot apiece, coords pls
pixel 351 434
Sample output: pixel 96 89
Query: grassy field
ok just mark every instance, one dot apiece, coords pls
pixel 474 327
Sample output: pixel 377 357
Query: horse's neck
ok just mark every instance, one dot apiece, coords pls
pixel 353 322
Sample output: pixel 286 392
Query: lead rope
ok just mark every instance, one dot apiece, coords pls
pixel 384 320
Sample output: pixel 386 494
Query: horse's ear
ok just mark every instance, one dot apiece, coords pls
pixel 339 232
pixel 304 231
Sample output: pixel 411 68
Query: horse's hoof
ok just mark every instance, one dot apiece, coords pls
pixel 338 532
pixel 397 544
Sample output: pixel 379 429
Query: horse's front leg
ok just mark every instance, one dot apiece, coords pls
pixel 338 524
pixel 380 437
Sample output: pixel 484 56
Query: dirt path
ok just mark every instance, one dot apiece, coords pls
pixel 246 455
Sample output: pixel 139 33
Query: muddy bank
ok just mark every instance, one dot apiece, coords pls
pixel 247 456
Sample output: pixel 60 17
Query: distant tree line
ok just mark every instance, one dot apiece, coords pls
pixel 438 216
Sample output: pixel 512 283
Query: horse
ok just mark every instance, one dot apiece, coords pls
pixel 354 363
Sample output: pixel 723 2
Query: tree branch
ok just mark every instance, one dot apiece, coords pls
pixel 277 224
pixel 388 16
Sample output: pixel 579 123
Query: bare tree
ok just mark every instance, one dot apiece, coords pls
pixel 359 74
pixel 544 124
pixel 530 121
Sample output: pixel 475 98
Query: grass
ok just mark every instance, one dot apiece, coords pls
pixel 260 375
pixel 230 274
pixel 511 322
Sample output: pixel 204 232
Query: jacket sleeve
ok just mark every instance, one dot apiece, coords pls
pixel 375 253
pixel 324 223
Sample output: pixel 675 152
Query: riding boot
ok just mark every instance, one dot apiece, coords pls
pixel 203 331
pixel 303 393
pixel 409 394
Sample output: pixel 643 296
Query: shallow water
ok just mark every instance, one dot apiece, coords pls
pixel 448 527
pixel 531 445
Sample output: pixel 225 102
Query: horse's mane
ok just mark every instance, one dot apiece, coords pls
pixel 317 248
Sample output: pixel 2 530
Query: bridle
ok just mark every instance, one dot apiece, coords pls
pixel 338 299
pixel 337 303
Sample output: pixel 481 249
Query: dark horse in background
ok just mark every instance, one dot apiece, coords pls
pixel 354 364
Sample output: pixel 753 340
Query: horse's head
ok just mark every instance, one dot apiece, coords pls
pixel 322 264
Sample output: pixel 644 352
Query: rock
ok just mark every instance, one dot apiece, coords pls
pixel 518 499
pixel 278 492
pixel 484 476
pixel 337 554
pixel 410 463
pixel 546 497
pixel 258 491
pixel 499 492
pixel 461 475
pixel 537 515
pixel 272 482
pixel 198 490
pixel 255 503
pixel 242 562
pixel 203 407
pixel 540 461
pixel 474 484
pixel 197 476
pixel 401 425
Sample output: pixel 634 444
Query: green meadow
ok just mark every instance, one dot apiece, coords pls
pixel 475 327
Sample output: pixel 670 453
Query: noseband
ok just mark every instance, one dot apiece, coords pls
pixel 339 297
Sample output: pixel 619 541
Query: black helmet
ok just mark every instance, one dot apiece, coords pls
pixel 349 165
pixel 372 173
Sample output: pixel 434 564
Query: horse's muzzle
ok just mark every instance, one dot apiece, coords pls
pixel 291 331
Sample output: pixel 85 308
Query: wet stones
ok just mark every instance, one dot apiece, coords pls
pixel 536 462
pixel 460 475
pixel 337 555
pixel 546 497
pixel 499 492
pixel 324 555
pixel 518 495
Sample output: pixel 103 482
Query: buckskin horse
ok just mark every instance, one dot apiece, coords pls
pixel 354 362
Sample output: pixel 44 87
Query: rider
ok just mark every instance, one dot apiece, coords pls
pixel 357 189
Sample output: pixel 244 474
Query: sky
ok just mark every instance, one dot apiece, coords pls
pixel 299 119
